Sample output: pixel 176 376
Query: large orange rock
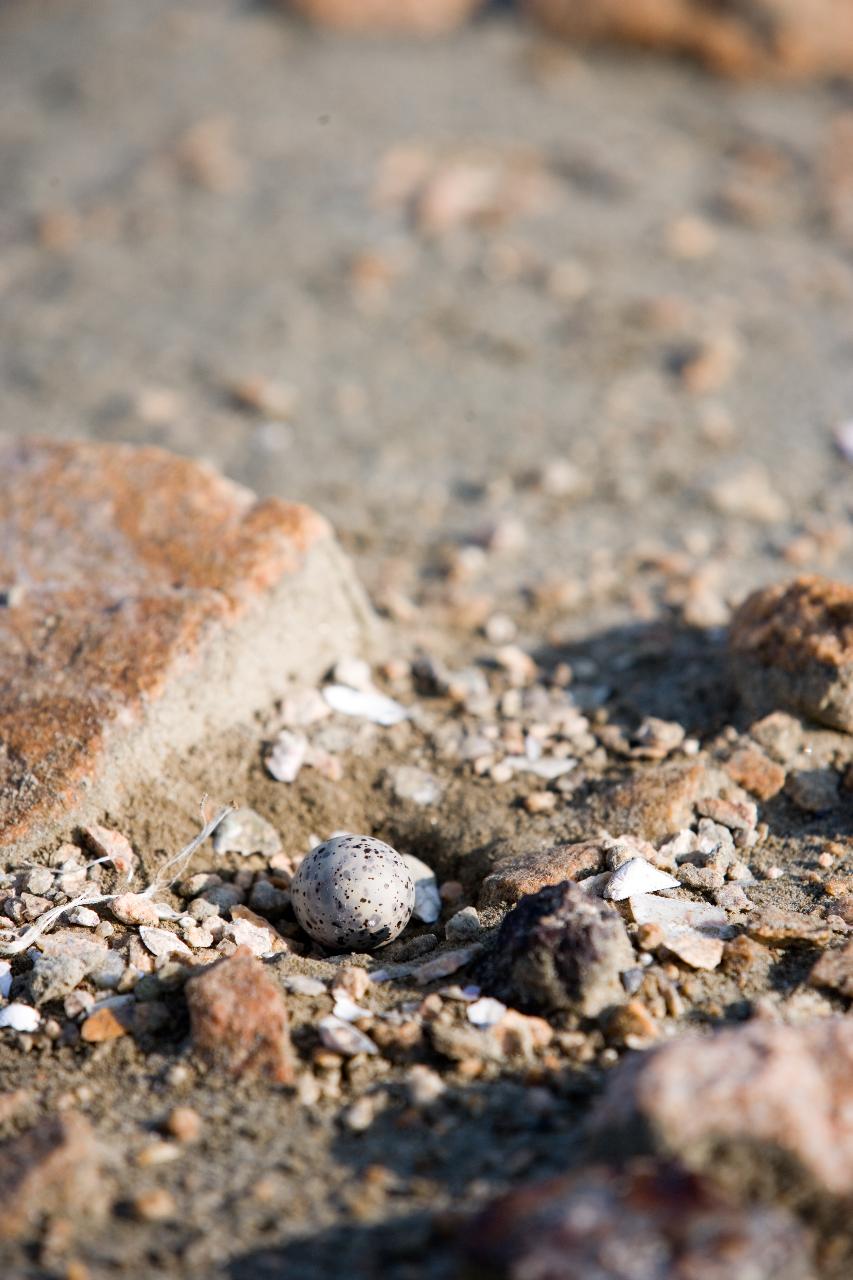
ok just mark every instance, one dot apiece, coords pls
pixel 740 38
pixel 145 602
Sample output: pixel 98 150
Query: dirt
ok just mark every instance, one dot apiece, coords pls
pixel 188 197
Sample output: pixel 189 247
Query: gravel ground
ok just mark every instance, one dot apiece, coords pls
pixel 583 417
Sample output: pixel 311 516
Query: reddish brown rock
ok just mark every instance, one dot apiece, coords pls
pixel 55 1169
pixel 238 1019
pixel 530 872
pixel 655 803
pixel 776 38
pixel 792 646
pixel 761 1107
pixel 420 17
pixel 755 772
pixel 106 1024
pixel 777 928
pixel 644 1222
pixel 165 604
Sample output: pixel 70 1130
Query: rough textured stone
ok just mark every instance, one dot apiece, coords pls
pixel 834 969
pixel 645 1222
pixel 792 646
pixel 164 602
pixel 560 948
pixel 530 872
pixel 422 17
pixel 785 38
pixel 762 1107
pixel 53 1169
pixel 777 928
pixel 756 772
pixel 657 802
pixel 238 1019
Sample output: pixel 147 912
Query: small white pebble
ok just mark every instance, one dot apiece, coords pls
pixel 286 756
pixel 19 1017
pixel 773 873
pixel 5 979
pixel 300 985
pixel 371 705
pixel 84 917
pixel 637 876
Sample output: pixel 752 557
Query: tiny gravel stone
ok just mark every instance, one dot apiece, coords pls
pixel 266 899
pixel 54 976
pixel 301 985
pixel 156 1205
pixel 83 917
pixel 200 909
pixel 813 790
pixel 107 1024
pixel 134 909
pixel 185 1124
pixel 463 927
pixel 411 783
pixel 353 892
pixel 108 971
pixel 369 705
pixel 704 879
pixel 485 1012
pixel 197 884
pixel 755 772
pixel 424 1086
pixel 224 896
pixel 38 881
pixel 105 843
pixel 245 832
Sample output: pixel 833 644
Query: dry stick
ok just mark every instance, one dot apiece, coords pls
pixel 179 861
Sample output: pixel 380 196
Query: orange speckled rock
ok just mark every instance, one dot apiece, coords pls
pixel 774 38
pixel 792 646
pixel 422 17
pixel 144 601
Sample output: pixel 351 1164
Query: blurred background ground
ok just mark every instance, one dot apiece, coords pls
pixel 655 288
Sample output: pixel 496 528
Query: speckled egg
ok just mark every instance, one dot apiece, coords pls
pixel 353 893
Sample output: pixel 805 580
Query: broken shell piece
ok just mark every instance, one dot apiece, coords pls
pixel 692 931
pixel 427 898
pixel 637 876
pixel 370 705
pixel 486 1012
pixel 286 756
pixel 341 1037
pixel 163 943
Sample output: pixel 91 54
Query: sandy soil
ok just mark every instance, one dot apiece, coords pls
pixel 189 199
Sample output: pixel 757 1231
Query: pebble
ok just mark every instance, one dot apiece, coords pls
pixel 83 917
pixel 423 1085
pixel 464 926
pixel 156 1205
pixel 301 985
pixel 244 831
pixel 107 1024
pixel 410 783
pixel 5 979
pixel 134 909
pixel 353 892
pixel 38 881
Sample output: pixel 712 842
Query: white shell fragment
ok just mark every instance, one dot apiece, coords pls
pixel 20 1017
pixel 162 942
pixel 286 756
pixel 5 978
pixel 547 767
pixel 343 1038
pixel 637 876
pixel 485 1012
pixel 692 931
pixel 427 898
pixel 353 892
pixel 367 705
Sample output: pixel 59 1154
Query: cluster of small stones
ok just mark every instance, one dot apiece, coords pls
pixel 569 953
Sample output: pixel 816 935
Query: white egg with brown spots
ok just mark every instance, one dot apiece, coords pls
pixel 353 893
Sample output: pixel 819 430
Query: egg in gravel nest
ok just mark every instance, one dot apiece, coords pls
pixel 353 893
